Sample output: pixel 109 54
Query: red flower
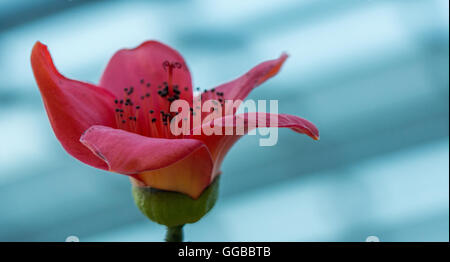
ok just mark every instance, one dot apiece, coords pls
pixel 120 125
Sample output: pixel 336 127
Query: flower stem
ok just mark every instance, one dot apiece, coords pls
pixel 174 234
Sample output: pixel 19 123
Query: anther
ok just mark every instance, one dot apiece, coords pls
pixel 165 64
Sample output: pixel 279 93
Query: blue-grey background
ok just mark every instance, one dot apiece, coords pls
pixel 372 74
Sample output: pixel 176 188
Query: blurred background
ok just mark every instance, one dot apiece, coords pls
pixel 373 76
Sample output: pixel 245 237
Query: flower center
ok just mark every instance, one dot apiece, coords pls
pixel 137 110
pixel 145 108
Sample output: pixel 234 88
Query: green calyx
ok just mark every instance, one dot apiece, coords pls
pixel 172 208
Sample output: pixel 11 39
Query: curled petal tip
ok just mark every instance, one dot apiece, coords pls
pixel 38 46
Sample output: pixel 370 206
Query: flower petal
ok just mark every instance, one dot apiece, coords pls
pixel 190 175
pixel 239 88
pixel 72 106
pixel 182 165
pixel 219 145
pixel 143 65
